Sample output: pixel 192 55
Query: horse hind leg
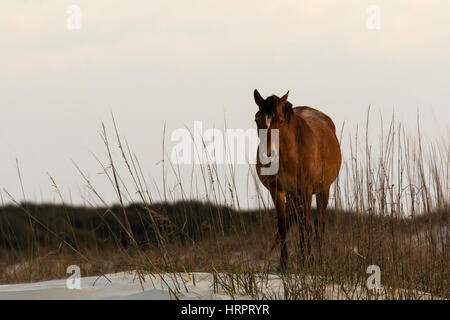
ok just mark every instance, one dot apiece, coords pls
pixel 295 212
pixel 303 217
pixel 319 221
pixel 294 208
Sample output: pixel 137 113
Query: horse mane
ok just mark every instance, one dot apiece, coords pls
pixel 270 104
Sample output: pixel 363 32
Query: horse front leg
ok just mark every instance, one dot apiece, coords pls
pixel 283 224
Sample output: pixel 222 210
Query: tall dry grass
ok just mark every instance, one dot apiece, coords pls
pixel 389 207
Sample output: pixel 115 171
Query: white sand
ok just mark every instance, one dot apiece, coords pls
pixel 126 285
pixel 123 285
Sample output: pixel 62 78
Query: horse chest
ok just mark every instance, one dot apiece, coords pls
pixel 296 171
pixel 288 177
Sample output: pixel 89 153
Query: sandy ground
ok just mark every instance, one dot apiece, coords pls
pixel 123 285
pixel 129 286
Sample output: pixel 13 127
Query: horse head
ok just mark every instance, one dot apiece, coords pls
pixel 273 115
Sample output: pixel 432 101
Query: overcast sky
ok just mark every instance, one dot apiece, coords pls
pixel 151 62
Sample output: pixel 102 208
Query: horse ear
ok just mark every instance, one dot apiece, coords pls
pixel 258 99
pixel 281 103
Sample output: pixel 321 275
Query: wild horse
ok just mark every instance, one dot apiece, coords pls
pixel 309 160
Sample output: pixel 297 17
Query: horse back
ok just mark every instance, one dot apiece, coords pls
pixel 309 113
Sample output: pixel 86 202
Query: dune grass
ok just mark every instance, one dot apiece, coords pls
pixel 388 208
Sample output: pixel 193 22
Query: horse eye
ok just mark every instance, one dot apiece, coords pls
pixel 281 120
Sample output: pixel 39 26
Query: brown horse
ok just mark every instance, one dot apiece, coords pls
pixel 309 160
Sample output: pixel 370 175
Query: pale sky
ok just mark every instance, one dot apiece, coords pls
pixel 151 62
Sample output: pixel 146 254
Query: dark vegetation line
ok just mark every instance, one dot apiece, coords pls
pixel 183 221
pixel 98 227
